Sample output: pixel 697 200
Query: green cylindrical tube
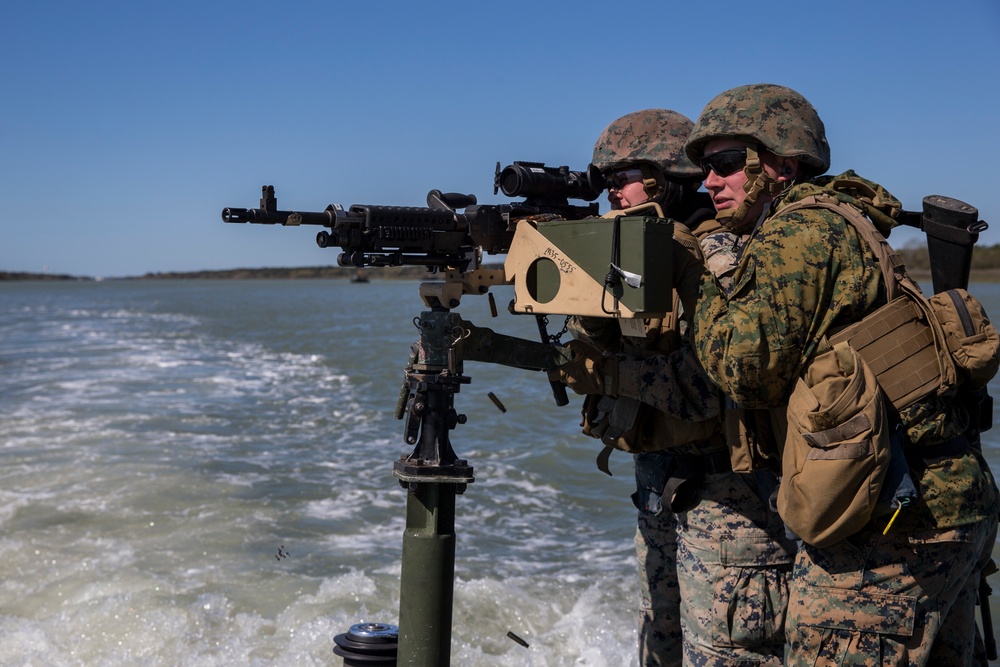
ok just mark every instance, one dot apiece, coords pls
pixel 427 577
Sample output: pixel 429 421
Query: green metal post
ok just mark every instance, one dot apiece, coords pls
pixel 433 475
pixel 427 578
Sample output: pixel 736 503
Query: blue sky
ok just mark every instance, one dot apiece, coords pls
pixel 125 127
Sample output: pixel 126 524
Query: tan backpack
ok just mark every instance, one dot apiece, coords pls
pixel 837 448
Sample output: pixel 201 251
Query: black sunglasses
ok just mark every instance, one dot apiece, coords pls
pixel 724 162
pixel 619 178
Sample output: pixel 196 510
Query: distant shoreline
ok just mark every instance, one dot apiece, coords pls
pixel 295 273
pixel 985 269
pixel 990 275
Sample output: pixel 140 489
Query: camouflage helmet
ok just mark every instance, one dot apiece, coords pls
pixel 653 136
pixel 775 117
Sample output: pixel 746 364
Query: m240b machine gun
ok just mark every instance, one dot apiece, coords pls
pixel 438 236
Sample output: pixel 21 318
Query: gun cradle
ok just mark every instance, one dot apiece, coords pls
pixel 562 267
pixel 485 345
pixel 448 293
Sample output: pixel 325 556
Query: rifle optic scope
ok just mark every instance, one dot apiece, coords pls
pixel 534 179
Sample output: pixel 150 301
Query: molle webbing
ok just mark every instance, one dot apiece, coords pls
pixel 898 345
pixel 902 342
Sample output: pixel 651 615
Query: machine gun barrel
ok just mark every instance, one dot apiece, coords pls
pixel 262 216
pixel 437 236
pixel 384 235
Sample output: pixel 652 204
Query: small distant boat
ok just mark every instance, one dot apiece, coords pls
pixel 359 277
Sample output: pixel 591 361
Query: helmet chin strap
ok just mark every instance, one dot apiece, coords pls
pixel 758 183
pixel 653 186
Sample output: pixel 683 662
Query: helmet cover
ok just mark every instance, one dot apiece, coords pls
pixel 774 117
pixel 652 136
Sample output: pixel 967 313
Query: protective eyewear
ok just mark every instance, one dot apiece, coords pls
pixel 616 180
pixel 725 162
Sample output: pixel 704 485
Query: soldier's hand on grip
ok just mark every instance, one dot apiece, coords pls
pixel 589 371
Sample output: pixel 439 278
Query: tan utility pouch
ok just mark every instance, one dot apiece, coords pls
pixel 904 345
pixel 836 449
pixel 971 337
pixel 754 438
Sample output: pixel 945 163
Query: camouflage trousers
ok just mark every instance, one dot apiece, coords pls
pixel 733 563
pixel 905 599
pixel 659 595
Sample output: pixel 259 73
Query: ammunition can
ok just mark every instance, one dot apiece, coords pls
pixel 561 267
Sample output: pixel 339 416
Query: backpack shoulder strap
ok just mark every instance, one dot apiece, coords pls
pixel 893 267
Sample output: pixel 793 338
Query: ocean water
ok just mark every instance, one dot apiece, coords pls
pixel 199 473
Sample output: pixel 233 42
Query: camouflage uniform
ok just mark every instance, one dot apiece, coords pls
pixel 721 249
pixel 713 558
pixel 706 541
pixel 906 598
pixel 652 141
pixel 664 594
pixel 734 562
pixel 732 556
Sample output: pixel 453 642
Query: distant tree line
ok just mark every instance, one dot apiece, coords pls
pixel 296 273
pixel 24 275
pixel 985 259
pixel 916 258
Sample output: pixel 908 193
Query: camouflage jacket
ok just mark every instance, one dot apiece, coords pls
pixel 802 274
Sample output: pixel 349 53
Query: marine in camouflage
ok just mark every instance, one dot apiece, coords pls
pixel 902 597
pixel 652 139
pixel 801 274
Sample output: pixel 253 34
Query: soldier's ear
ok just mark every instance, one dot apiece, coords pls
pixel 788 169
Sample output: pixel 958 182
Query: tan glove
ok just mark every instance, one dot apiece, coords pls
pixel 589 371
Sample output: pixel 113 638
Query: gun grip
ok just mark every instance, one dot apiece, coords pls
pixel 559 393
pixel 558 388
